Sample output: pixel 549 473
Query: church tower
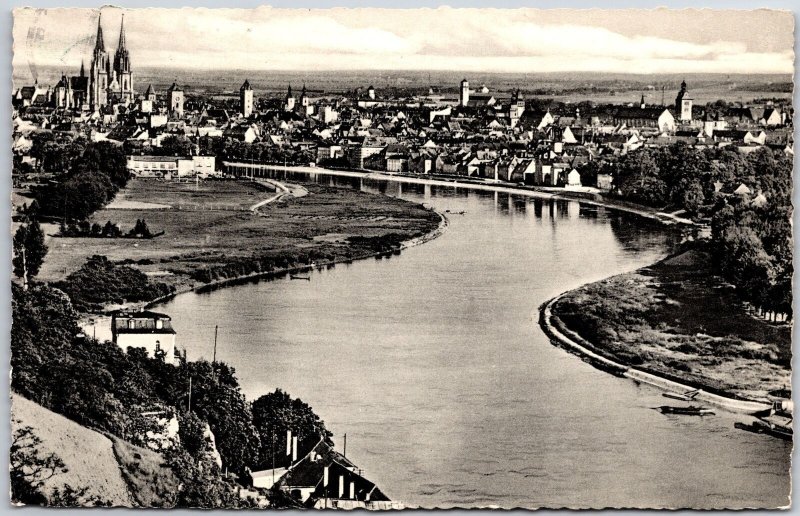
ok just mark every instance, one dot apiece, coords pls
pixel 62 95
pixel 304 100
pixel 246 99
pixel 516 108
pixel 289 104
pixel 683 104
pixel 100 71
pixel 122 67
pixel 175 100
pixel 463 98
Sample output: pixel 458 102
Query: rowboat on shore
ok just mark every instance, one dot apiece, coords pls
pixel 686 396
pixel 688 411
pixel 294 276
pixel 764 427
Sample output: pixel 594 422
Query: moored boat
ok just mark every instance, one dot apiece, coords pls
pixel 685 396
pixel 689 411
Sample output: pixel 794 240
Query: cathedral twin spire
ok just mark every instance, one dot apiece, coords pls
pixel 109 78
pixel 99 43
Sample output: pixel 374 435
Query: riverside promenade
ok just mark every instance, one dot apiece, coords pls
pixel 255 170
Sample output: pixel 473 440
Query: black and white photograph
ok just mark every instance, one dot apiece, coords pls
pixel 401 258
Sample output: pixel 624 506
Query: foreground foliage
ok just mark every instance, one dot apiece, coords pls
pixel 100 386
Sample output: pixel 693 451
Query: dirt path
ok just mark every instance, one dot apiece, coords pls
pixel 283 190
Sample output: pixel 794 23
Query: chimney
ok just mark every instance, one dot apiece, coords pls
pixel 288 442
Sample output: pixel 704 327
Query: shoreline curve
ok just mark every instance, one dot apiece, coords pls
pixel 237 280
pixel 570 344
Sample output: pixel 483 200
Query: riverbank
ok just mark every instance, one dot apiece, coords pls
pixel 677 326
pixel 302 268
pixel 219 230
pixel 586 196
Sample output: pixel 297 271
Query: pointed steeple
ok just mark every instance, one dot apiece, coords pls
pixel 99 43
pixel 121 45
pixel 149 90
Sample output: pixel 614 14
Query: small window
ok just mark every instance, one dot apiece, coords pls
pixel 159 324
pixel 131 324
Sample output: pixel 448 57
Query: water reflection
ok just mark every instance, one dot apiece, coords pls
pixel 449 392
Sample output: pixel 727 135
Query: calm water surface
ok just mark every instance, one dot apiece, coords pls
pixel 433 364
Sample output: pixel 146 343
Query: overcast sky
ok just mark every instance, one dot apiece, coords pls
pixel 518 40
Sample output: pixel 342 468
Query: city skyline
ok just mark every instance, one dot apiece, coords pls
pixel 442 39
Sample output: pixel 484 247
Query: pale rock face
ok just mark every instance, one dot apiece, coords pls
pixel 167 435
pixel 212 446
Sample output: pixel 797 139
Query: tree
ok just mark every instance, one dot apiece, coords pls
pixel 277 412
pixel 140 230
pixel 694 197
pixel 29 251
pixel 216 398
pixel 30 471
pixel 100 281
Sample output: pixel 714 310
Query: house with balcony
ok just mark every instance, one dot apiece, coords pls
pixel 145 329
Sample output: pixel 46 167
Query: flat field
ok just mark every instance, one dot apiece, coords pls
pixel 677 318
pixel 211 226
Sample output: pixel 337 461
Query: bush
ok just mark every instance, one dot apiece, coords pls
pixel 99 281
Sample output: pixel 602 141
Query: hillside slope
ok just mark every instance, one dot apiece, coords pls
pixel 107 469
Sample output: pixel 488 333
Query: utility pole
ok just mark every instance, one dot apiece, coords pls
pixel 345 446
pixel 214 360
pixel 24 269
pixel 190 394
pixel 272 434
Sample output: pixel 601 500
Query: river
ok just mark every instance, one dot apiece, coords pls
pixel 433 364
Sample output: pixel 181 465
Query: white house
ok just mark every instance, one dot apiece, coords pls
pixel 573 179
pixel 171 166
pixel 547 119
pixel 149 330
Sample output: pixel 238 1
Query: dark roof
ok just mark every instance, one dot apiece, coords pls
pixel 310 472
pixel 141 314
pixel 650 113
pixel 28 92
pixel 79 83
pixel 143 322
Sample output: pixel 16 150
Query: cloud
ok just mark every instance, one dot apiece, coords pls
pixel 443 38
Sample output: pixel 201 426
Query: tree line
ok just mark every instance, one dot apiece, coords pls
pixel 88 175
pixel 751 241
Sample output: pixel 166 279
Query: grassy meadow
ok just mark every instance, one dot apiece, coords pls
pixel 676 318
pixel 210 226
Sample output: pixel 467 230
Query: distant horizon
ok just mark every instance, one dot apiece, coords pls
pixel 444 71
pixel 370 39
